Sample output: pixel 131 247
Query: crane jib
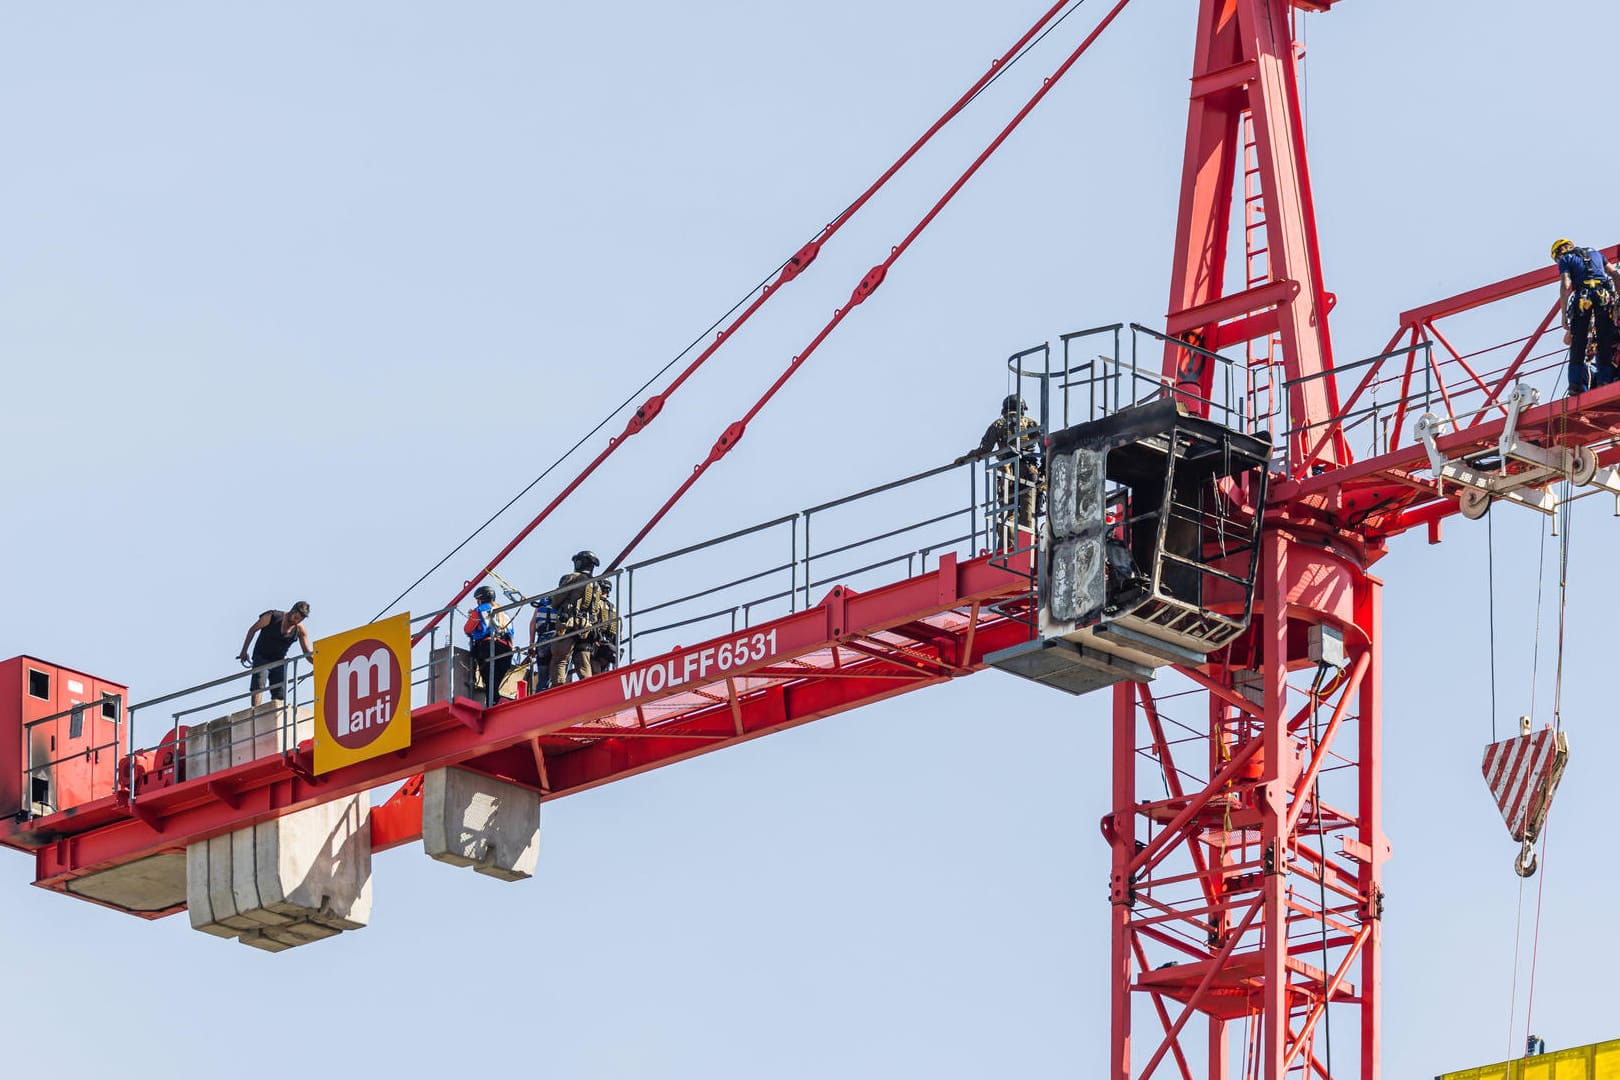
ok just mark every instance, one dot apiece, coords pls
pixel 674 672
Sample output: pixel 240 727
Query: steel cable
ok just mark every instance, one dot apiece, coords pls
pixel 1490 562
pixel 864 289
pixel 1566 513
pixel 1513 992
pixel 1535 940
pixel 784 272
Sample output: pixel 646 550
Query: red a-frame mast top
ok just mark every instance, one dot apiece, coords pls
pixel 1249 895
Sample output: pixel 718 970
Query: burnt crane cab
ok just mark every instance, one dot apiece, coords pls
pixel 1150 547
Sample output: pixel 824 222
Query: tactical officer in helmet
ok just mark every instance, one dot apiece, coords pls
pixel 604 633
pixel 1018 443
pixel 490 635
pixel 575 603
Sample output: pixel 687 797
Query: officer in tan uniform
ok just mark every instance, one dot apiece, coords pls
pixel 575 607
pixel 1018 436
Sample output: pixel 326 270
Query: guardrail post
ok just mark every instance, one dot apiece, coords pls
pixel 973 513
pixel 450 658
pixel 629 626
pixel 807 560
pixel 129 755
pixel 289 717
pixel 118 733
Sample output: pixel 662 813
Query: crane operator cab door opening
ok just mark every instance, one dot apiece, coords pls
pixel 1150 548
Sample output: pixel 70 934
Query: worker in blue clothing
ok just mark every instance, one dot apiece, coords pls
pixel 490 635
pixel 542 628
pixel 1586 295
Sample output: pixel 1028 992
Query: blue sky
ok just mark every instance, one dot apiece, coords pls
pixel 254 253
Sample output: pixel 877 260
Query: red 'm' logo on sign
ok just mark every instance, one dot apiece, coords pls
pixel 361 695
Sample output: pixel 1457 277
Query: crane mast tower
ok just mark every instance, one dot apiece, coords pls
pixel 1246 890
pixel 1241 892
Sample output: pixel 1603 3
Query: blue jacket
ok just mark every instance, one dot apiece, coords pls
pixel 1583 265
pixel 487 626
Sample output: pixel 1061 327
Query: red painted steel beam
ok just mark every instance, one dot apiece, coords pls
pixel 107 833
pixel 1219 310
pixel 1489 294
pixel 622 755
pixel 1598 410
pixel 1261 769
pixel 1244 64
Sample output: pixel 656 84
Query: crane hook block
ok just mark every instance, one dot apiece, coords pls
pixel 1523 773
pixel 1525 864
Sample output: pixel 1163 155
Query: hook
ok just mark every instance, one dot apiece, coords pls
pixel 1525 864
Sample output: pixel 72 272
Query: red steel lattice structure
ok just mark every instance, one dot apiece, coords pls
pixel 1246 892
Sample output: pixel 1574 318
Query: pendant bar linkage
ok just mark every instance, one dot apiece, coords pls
pixel 1520 470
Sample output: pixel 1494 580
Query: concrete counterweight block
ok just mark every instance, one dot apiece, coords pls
pixel 450 669
pixel 469 819
pixel 287 881
pixel 263 731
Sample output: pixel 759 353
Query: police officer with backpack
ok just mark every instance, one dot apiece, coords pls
pixel 604 631
pixel 490 636
pixel 576 603
pixel 1016 438
pixel 1586 295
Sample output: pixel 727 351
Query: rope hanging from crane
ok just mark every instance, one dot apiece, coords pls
pixel 733 433
pixel 784 273
pixel 1564 511
pixel 1540 776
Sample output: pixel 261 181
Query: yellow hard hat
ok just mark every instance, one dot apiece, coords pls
pixel 1560 245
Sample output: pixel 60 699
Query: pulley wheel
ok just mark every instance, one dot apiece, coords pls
pixel 1585 467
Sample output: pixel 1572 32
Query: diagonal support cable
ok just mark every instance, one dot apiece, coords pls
pixel 649 410
pixel 865 288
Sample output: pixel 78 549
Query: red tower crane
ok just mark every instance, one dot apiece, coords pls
pixel 1250 889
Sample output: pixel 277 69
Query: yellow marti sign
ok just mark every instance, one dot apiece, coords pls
pixel 362 693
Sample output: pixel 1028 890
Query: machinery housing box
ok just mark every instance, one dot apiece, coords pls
pixel 60 731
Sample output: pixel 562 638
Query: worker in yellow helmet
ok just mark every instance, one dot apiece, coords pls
pixel 1587 286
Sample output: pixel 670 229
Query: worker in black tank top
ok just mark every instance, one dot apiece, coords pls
pixel 277 631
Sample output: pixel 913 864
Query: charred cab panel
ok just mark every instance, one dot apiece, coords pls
pixel 1150 547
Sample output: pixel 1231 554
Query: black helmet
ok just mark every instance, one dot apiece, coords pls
pixel 484 594
pixel 607 587
pixel 587 557
pixel 1013 403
